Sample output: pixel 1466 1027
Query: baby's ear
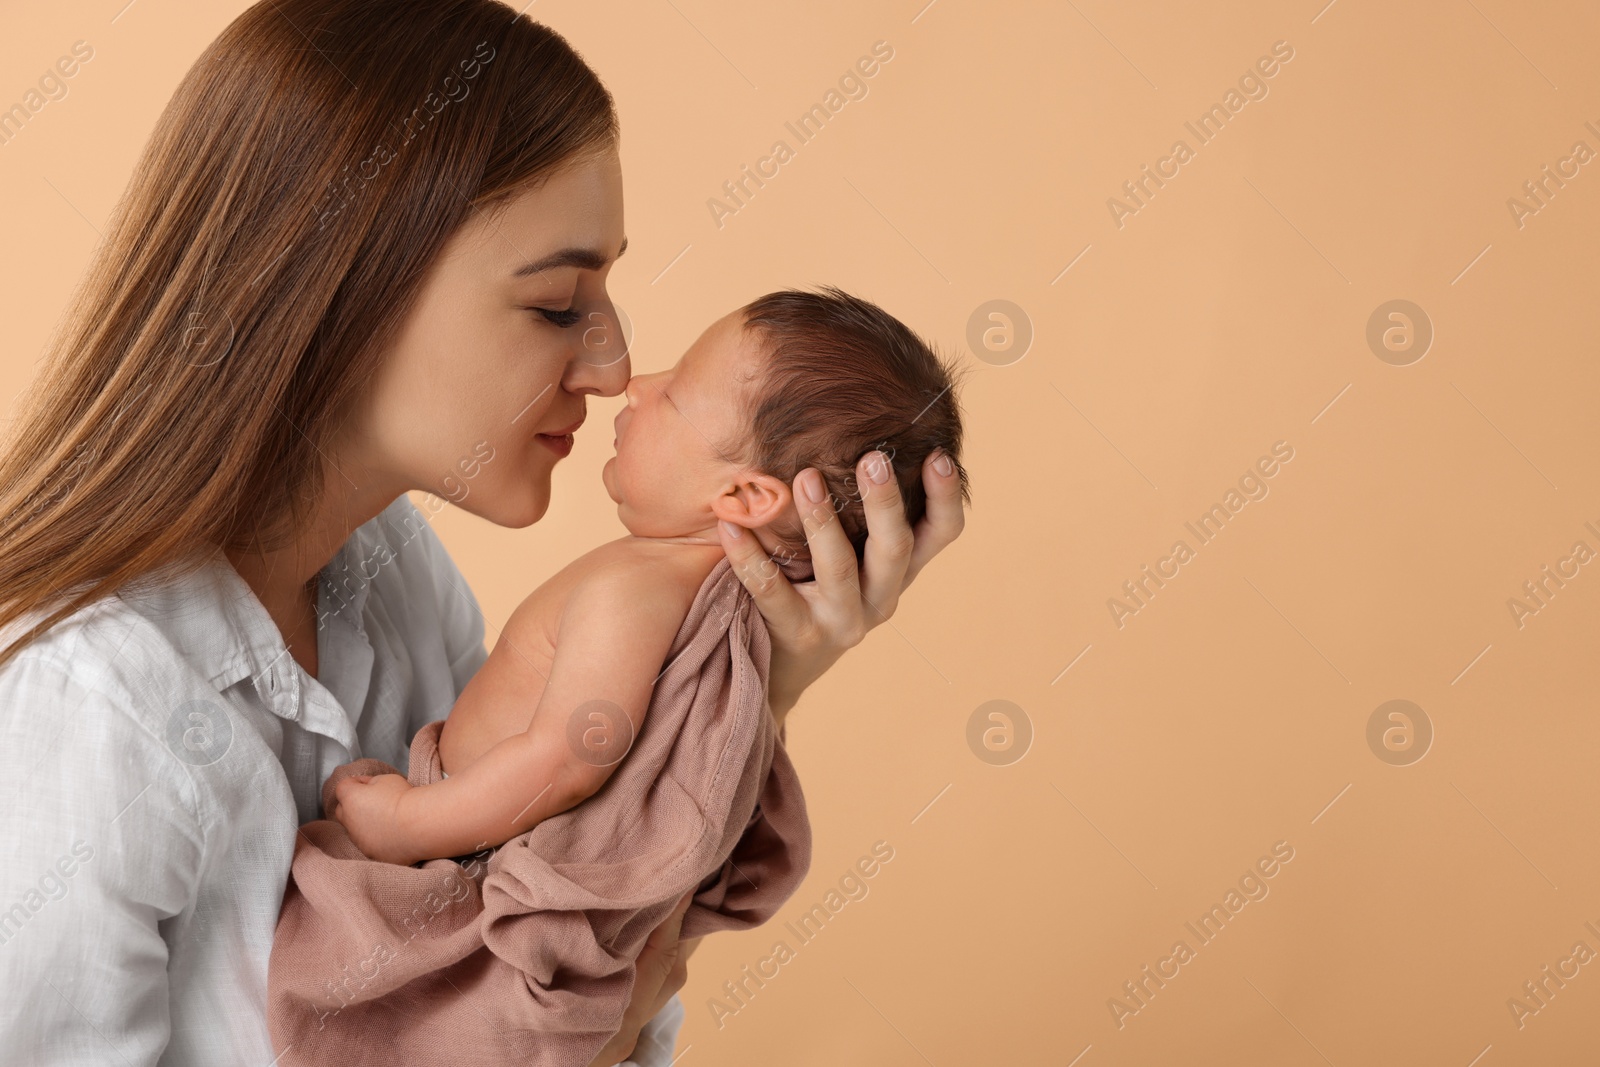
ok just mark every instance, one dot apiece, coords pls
pixel 755 500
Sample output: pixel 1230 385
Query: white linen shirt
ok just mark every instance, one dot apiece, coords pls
pixel 160 749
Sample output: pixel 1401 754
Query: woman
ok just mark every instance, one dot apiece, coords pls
pixel 361 255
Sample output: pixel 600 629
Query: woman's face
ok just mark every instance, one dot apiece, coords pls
pixel 511 330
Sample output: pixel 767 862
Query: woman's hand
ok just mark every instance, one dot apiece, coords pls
pixel 368 807
pixel 814 623
pixel 661 970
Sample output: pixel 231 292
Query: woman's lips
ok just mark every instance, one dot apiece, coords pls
pixel 560 444
pixel 560 441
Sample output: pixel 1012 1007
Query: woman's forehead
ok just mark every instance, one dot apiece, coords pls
pixel 574 218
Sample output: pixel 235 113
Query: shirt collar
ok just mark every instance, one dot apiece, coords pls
pixel 213 617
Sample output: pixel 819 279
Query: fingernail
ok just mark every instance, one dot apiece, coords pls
pixel 877 468
pixel 943 465
pixel 811 486
pixel 733 529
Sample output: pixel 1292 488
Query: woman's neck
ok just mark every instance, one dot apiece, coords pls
pixel 284 578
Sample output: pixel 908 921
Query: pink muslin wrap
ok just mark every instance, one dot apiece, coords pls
pixel 529 958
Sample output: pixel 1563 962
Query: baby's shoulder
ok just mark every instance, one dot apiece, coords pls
pixel 644 580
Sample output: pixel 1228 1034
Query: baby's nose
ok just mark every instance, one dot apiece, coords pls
pixel 637 386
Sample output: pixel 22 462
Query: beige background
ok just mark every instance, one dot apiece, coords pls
pixel 1229 313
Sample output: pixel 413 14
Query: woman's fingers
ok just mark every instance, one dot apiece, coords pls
pixel 659 972
pixel 665 935
pixel 784 610
pixel 849 598
pixel 837 605
pixel 889 537
pixel 944 518
pixel 661 959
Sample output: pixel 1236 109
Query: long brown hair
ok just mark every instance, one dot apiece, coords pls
pixel 276 229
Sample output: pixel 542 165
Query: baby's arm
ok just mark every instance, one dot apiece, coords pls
pixel 612 638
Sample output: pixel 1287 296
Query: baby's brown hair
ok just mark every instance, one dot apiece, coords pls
pixel 844 377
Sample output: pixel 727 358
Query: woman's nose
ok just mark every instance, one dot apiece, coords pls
pixel 584 374
pixel 604 340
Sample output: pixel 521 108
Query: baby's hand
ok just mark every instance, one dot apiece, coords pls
pixel 368 807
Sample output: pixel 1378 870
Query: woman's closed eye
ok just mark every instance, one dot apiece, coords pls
pixel 569 316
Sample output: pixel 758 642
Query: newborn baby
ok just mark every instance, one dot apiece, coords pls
pixel 791 380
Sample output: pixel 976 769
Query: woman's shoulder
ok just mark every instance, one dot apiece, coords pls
pixel 103 746
pixel 98 693
pixel 95 647
pixel 189 628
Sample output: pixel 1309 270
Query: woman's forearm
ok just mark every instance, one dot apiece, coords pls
pixel 783 695
pixel 790 674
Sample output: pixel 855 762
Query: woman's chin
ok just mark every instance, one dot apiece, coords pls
pixel 514 510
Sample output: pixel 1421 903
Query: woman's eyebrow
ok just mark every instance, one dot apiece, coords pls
pixel 583 258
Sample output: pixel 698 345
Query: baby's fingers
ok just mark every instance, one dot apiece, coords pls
pixel 342 790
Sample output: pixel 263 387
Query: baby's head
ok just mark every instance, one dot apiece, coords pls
pixel 791 380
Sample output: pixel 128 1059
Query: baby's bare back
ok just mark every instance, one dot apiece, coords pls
pixel 501 697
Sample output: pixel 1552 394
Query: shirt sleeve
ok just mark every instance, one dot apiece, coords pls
pixel 103 844
pixel 658 1037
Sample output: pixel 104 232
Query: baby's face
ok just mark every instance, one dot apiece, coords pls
pixel 668 475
